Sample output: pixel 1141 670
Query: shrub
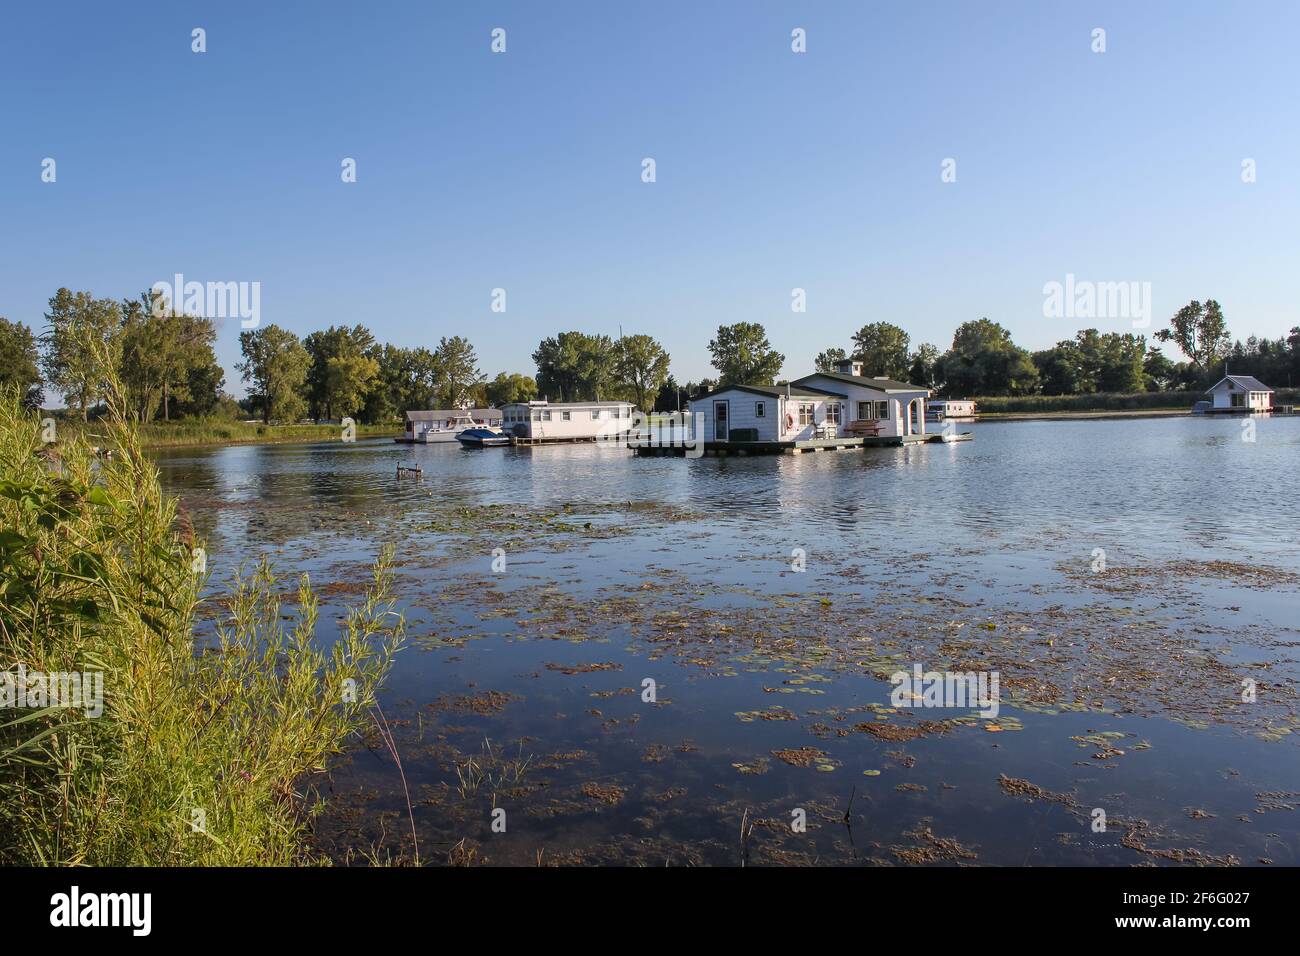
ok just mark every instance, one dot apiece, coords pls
pixel 212 715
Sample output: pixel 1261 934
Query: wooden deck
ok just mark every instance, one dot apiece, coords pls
pixel 744 448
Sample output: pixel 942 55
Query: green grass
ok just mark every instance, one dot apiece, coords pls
pixel 203 752
pixel 210 431
pixel 206 432
pixel 1103 401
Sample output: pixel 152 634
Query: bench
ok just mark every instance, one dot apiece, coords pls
pixel 861 427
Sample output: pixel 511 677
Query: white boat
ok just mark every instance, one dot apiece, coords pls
pixel 439 425
pixel 447 429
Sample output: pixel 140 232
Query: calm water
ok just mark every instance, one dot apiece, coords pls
pixel 1122 577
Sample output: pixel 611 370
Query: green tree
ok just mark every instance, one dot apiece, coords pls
pixel 458 374
pixel 642 368
pixel 18 362
pixel 1200 330
pixel 743 356
pixel 828 360
pixel 881 347
pixel 349 379
pixel 924 366
pixel 163 352
pixel 82 347
pixel 576 367
pixel 510 387
pixel 984 361
pixel 336 342
pixel 276 365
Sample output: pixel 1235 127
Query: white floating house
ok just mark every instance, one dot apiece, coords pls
pixel 839 404
pixel 941 408
pixel 1240 393
pixel 447 420
pixel 875 406
pixel 566 421
pixel 765 412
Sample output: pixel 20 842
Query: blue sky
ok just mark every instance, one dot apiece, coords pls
pixel 775 170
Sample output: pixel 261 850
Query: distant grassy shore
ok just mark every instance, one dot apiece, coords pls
pixel 1103 404
pixel 205 432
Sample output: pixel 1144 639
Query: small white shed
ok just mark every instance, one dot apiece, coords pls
pixel 1240 393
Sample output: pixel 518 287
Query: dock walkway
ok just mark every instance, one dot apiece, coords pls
pixel 743 448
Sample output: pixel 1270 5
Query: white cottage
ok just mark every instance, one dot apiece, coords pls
pixel 767 413
pixel 1240 393
pixel 566 421
pixel 873 406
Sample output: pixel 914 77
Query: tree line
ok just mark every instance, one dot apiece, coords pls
pixel 168 368
pixel 166 363
pixel 984 361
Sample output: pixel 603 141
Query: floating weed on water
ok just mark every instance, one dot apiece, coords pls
pixel 800 756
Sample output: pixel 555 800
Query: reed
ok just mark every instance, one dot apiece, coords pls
pixel 214 717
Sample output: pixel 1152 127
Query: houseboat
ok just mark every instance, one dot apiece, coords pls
pixel 444 424
pixel 1239 394
pixel 530 423
pixel 836 409
pixel 943 409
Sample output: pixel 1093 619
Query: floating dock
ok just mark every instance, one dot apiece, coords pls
pixel 743 448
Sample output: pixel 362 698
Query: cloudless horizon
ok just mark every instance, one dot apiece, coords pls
pixel 775 170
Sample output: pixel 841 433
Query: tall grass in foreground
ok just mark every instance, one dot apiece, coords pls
pixel 202 747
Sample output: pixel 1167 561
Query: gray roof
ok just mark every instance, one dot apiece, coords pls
pixel 879 384
pixel 437 414
pixel 1245 382
pixel 772 391
pixel 545 405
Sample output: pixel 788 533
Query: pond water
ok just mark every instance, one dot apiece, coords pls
pixel 680 661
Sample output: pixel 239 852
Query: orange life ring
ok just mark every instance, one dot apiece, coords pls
pixel 789 421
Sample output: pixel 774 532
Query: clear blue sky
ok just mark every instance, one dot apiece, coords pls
pixel 775 170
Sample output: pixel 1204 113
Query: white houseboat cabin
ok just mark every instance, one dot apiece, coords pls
pixel 765 412
pixel 1240 393
pixel 839 404
pixel 422 424
pixel 941 408
pixel 566 421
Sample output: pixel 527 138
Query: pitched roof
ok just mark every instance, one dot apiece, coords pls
pixel 879 384
pixel 1245 382
pixel 437 414
pixel 545 405
pixel 773 391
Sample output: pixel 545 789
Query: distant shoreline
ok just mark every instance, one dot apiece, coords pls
pixel 1100 413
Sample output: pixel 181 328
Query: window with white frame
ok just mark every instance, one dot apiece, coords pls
pixel 546 416
pixel 566 416
pixel 882 410
pixel 760 409
pixel 833 412
pixel 595 414
pixel 805 413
